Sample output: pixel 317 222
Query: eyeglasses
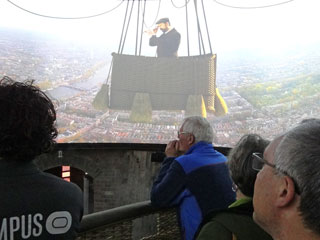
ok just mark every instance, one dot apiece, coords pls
pixel 179 133
pixel 258 162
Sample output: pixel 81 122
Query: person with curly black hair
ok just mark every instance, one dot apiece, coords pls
pixel 33 204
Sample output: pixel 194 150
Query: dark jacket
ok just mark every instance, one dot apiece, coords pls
pixel 233 222
pixel 197 182
pixel 37 205
pixel 167 44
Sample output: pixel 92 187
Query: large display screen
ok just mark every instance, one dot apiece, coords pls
pixel 247 66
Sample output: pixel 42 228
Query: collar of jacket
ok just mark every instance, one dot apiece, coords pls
pixel 197 145
pixel 9 168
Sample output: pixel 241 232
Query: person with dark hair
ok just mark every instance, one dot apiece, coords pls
pixel 236 222
pixel 287 189
pixel 194 176
pixel 33 204
pixel 168 42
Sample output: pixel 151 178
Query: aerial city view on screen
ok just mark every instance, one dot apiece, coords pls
pixel 267 72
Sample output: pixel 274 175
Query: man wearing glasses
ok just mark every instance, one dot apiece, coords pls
pixel 193 176
pixel 287 189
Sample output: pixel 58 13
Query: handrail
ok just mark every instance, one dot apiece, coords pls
pixel 158 147
pixel 114 215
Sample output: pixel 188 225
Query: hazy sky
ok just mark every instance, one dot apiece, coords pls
pixel 272 29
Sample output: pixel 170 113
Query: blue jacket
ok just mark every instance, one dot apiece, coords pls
pixel 197 182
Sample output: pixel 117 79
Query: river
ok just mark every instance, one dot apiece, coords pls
pixel 65 92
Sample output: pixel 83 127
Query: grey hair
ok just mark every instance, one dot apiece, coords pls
pixel 240 161
pixel 199 127
pixel 298 154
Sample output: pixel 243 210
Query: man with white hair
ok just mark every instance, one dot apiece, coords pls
pixel 287 189
pixel 193 176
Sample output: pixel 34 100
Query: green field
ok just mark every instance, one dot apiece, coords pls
pixel 299 90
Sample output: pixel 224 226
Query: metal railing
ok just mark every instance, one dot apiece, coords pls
pixel 134 221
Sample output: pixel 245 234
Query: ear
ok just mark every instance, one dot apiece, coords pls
pixel 191 139
pixel 286 191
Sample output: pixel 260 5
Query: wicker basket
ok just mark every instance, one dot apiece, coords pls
pixel 169 81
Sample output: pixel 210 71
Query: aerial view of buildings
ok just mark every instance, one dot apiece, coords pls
pixel 264 96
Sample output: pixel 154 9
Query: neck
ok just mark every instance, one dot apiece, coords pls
pixel 296 234
pixel 290 227
pixel 240 195
pixel 167 29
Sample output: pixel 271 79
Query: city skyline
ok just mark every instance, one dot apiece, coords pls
pixel 73 75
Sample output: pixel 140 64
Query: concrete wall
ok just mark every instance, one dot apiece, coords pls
pixel 122 173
